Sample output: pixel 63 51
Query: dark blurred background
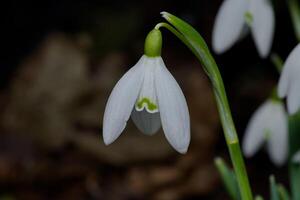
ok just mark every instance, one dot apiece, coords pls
pixel 59 62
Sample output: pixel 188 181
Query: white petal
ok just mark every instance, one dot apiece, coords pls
pixel 255 131
pixel 121 102
pixel 147 96
pixel 263 25
pixel 145 114
pixel 293 98
pixel 173 109
pixel 296 157
pixel 148 123
pixel 277 143
pixel 290 67
pixel 228 24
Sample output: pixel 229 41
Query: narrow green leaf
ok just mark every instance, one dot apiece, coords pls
pixel 273 189
pixel 294 146
pixel 184 28
pixel 228 179
pixel 283 193
pixel 198 46
pixel 196 43
pixel 277 62
pixel 294 170
pixel 294 9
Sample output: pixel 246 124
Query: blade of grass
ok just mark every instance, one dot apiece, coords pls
pixel 228 179
pixel 273 189
pixel 294 146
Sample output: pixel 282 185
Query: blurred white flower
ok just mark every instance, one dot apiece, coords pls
pixel 234 18
pixel 289 82
pixel 296 157
pixel 150 94
pixel 269 124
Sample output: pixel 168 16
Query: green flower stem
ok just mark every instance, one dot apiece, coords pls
pixel 294 9
pixel 193 40
pixel 240 170
pixel 277 62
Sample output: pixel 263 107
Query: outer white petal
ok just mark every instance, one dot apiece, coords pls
pixel 121 102
pixel 228 24
pixel 148 123
pixel 293 97
pixel 277 144
pixel 296 157
pixel 255 133
pixel 263 25
pixel 289 68
pixel 173 108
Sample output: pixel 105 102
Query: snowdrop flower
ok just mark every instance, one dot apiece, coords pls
pixel 269 124
pixel 151 96
pixel 289 82
pixel 296 157
pixel 234 18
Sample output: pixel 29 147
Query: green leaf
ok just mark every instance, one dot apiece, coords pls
pixel 294 146
pixel 198 46
pixel 294 9
pixel 277 62
pixel 273 189
pixel 228 179
pixel 283 193
pixel 193 40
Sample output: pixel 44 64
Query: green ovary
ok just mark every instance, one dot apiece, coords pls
pixel 248 18
pixel 150 105
pixel 267 133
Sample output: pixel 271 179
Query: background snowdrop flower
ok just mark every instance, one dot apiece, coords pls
pixel 151 96
pixel 268 124
pixel 233 18
pixel 289 82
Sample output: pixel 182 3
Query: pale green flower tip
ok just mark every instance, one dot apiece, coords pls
pixel 272 178
pixel 248 18
pixel 165 14
pixel 153 43
pixel 218 161
pixel 259 197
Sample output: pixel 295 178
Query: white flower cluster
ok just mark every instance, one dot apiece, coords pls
pixel 269 124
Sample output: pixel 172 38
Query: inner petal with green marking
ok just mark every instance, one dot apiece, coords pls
pixel 267 133
pixel 146 103
pixel 147 99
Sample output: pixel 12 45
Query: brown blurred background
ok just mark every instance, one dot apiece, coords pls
pixel 59 62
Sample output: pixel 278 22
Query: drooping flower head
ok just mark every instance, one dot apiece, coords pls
pixel 151 96
pixel 268 124
pixel 236 16
pixel 289 82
